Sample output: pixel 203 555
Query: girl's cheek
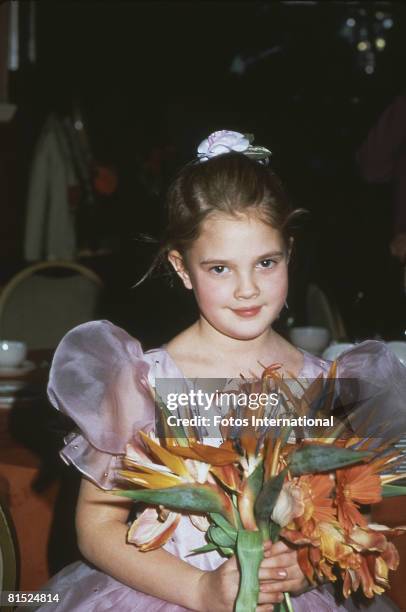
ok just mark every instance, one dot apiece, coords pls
pixel 278 284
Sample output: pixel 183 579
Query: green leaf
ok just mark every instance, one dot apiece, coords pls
pixel 393 490
pixel 224 524
pixel 267 498
pixel 203 549
pixel 314 458
pixel 250 553
pixel 219 537
pixel 188 498
pixel 227 552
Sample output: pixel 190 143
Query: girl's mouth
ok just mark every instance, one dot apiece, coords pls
pixel 247 312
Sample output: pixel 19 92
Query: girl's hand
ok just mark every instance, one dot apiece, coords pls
pixel 279 571
pixel 218 590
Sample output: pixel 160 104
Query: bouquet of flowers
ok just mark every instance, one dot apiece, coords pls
pixel 257 486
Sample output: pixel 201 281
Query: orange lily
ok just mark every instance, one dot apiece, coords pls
pixel 359 484
pixel 376 557
pixel 317 499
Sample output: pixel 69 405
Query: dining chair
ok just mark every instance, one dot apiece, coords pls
pixel 321 312
pixel 9 562
pixel 45 300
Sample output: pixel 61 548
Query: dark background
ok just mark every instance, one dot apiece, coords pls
pixel 155 76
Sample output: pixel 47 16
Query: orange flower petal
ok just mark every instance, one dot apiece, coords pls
pixel 156 480
pixel 168 458
pixel 304 563
pixel 367 580
pixel 228 475
pixel 366 539
pixel 391 556
pixel 148 533
pixel 206 453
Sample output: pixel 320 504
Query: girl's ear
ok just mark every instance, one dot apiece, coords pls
pixel 290 247
pixel 178 263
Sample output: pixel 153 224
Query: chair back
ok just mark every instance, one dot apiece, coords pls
pixel 322 313
pixel 44 301
pixel 8 553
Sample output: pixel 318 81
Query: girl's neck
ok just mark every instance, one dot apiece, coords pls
pixel 202 351
pixel 212 341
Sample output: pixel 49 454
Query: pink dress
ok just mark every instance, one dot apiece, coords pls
pixel 98 378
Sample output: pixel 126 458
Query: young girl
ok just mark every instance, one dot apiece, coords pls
pixel 229 241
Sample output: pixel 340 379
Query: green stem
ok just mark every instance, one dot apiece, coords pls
pixel 250 553
pixel 274 530
pixel 286 605
pixel 265 531
pixel 288 602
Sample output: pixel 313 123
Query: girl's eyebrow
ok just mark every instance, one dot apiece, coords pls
pixel 259 258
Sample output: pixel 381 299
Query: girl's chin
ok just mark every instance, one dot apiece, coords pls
pixel 243 328
pixel 250 333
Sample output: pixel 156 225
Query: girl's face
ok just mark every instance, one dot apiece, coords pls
pixel 238 270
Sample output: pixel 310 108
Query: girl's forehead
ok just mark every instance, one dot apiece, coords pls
pixel 233 232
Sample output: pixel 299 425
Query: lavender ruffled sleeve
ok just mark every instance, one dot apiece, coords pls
pixel 99 379
pixel 373 380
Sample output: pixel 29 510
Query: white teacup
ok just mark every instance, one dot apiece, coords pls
pixel 12 353
pixel 399 348
pixel 334 350
pixel 312 339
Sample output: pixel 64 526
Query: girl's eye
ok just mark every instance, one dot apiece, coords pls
pixel 218 269
pixel 267 263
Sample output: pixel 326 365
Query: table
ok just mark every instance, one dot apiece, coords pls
pixel 392 512
pixel 23 483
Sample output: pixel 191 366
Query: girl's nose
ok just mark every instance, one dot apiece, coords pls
pixel 246 289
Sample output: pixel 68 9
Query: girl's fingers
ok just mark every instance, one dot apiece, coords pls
pixel 280 586
pixel 279 547
pixel 280 575
pixel 284 560
pixel 266 573
pixel 264 608
pixel 269 597
pixel 270 550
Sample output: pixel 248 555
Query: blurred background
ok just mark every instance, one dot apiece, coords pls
pixel 145 82
pixel 100 104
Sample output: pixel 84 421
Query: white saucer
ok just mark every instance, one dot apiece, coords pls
pixel 11 386
pixel 399 348
pixel 21 370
